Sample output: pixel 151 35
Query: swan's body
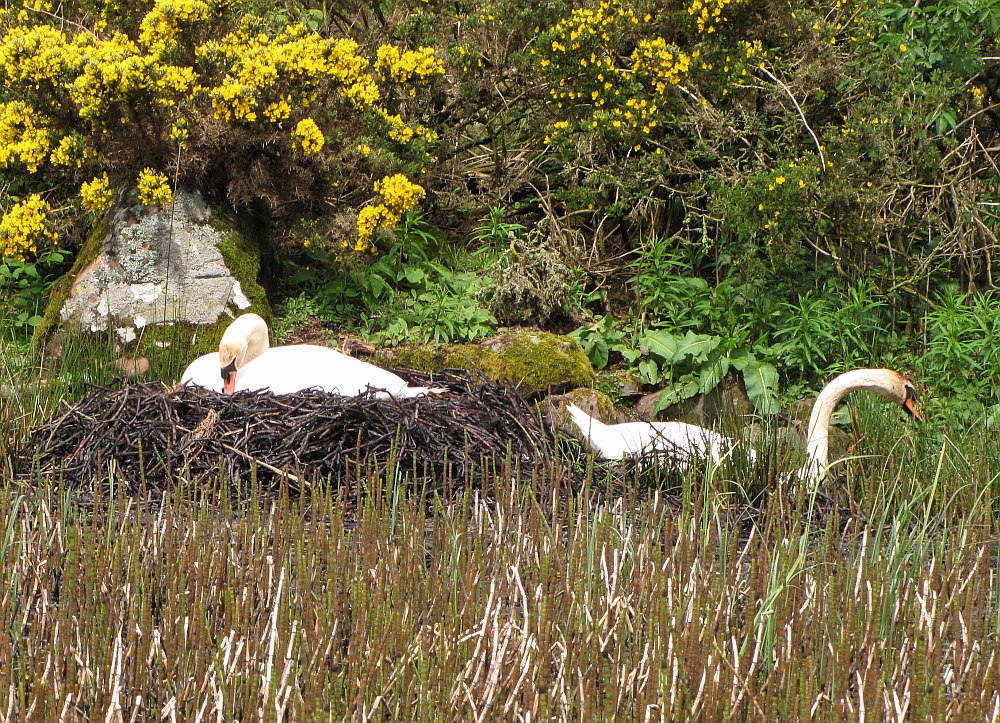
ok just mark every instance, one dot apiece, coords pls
pixel 290 369
pixel 204 372
pixel 245 362
pixel 678 440
pixel 884 382
pixel 685 442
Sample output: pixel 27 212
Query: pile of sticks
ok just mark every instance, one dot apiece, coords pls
pixel 145 436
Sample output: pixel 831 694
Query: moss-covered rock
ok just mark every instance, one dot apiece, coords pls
pixel 535 362
pixel 595 403
pixel 162 282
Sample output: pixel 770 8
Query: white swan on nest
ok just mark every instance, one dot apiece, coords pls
pixel 678 440
pixel 246 362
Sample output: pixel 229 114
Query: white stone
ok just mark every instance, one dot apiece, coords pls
pixel 157 265
pixel 125 333
pixel 239 298
pixel 148 292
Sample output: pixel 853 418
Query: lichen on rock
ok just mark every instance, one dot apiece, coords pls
pixel 158 277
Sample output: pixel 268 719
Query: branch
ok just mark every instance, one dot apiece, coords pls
pixel 802 115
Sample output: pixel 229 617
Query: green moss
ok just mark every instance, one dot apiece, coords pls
pixel 242 249
pixel 533 361
pixel 582 397
pixel 60 290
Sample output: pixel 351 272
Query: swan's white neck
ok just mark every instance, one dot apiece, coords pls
pixel 818 435
pixel 584 422
pixel 244 340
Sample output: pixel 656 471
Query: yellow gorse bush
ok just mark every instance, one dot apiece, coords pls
pixel 96 194
pixel 25 136
pixel 106 102
pixel 307 137
pixel 709 13
pixel 604 82
pixel 400 67
pixel 23 228
pixel 398 195
pixel 153 187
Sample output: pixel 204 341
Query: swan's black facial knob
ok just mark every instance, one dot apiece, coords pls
pixel 910 403
pixel 229 377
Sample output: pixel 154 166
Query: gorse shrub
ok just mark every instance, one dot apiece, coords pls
pixel 202 94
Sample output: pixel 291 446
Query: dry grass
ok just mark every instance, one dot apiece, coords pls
pixel 521 608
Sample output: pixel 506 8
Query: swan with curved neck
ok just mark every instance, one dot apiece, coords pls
pixel 686 442
pixel 246 362
pixel 887 383
pixel 678 440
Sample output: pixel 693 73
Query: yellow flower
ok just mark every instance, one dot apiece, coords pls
pixel 23 228
pixel 780 179
pixel 902 47
pixel 153 187
pixel 96 194
pixel 307 137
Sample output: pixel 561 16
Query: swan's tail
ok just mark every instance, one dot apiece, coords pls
pixel 582 420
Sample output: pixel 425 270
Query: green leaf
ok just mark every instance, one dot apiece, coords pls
pixel 712 373
pixel 662 344
pixel 740 358
pixel 649 372
pixel 597 351
pixel 697 346
pixel 762 383
pixel 673 394
pixel 378 286
pixel 413 274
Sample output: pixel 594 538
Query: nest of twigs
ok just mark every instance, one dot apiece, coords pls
pixel 145 436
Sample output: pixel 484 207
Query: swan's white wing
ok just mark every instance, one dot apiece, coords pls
pixel 205 371
pixel 290 369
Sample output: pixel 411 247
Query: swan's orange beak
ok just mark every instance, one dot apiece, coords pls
pixel 910 405
pixel 229 378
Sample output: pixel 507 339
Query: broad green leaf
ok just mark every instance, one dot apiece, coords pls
pixel 649 372
pixel 597 350
pixel 377 286
pixel 697 346
pixel 662 344
pixel 413 274
pixel 673 394
pixel 629 355
pixel 740 358
pixel 762 382
pixel 712 373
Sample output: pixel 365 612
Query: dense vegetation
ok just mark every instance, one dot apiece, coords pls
pixel 692 187
pixel 687 187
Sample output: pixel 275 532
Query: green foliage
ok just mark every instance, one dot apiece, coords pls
pixel 696 363
pixel 405 294
pixel 25 284
pixel 295 312
pixel 243 104
pixel 947 35
pixel 963 348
